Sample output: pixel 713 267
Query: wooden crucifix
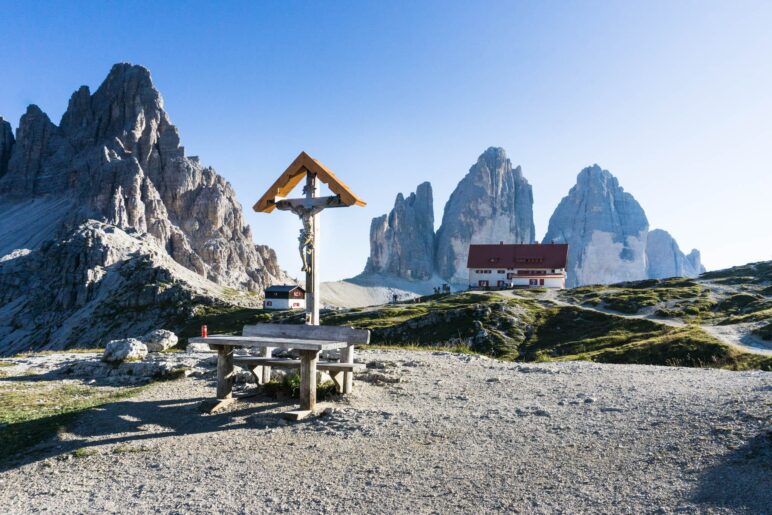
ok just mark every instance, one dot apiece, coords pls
pixel 308 208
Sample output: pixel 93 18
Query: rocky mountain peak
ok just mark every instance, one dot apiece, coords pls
pixel 695 260
pixel 605 229
pixel 6 144
pixel 402 242
pixel 492 203
pixel 117 158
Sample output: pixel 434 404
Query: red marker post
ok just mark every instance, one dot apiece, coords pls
pixel 204 332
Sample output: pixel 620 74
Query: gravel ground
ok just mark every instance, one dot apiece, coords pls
pixel 424 433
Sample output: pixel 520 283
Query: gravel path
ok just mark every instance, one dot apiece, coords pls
pixel 424 433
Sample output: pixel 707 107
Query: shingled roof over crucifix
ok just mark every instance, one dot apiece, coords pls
pixel 292 176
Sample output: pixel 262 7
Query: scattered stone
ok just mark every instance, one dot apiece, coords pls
pixel 194 348
pixel 159 340
pixel 127 349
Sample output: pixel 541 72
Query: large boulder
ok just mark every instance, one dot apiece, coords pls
pixel 605 229
pixel 159 340
pixel 127 349
pixel 493 203
pixel 402 242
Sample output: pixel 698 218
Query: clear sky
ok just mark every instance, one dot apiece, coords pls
pixel 674 98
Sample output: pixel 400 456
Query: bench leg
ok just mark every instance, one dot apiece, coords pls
pixel 225 372
pixel 337 378
pixel 347 356
pixel 267 352
pixel 308 361
pixel 257 375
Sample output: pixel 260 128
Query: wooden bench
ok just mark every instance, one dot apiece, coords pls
pixel 332 333
pixel 336 369
pixel 308 340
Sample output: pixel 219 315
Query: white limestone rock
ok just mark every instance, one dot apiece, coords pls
pixel 402 242
pixel 665 258
pixel 127 349
pixel 492 203
pixel 159 340
pixel 196 348
pixel 605 228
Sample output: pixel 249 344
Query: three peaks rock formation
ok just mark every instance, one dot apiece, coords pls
pixel 605 227
pixel 113 166
pixel 493 202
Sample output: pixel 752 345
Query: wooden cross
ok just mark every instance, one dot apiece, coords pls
pixel 308 209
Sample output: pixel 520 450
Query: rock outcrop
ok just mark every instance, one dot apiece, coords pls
pixel 107 229
pixel 116 157
pixel 98 284
pixel 126 349
pixel 6 145
pixel 402 242
pixel 159 340
pixel 694 258
pixel 665 258
pixel 605 229
pixel 492 203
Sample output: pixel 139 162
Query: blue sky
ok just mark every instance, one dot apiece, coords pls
pixel 674 98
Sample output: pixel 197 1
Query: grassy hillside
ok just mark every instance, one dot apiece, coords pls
pixel 530 326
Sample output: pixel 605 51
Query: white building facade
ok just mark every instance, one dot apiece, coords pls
pixel 288 296
pixel 517 266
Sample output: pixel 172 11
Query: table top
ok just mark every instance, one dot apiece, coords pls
pixel 269 341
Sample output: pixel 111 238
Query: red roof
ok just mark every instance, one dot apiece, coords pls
pixel 536 255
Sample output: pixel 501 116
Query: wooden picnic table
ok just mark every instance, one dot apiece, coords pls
pixel 308 341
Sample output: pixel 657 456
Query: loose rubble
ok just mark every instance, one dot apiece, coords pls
pixel 422 432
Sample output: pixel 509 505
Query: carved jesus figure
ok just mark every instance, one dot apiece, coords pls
pixel 306 240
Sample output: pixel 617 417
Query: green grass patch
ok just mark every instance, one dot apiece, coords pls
pixel 572 334
pixel 751 273
pixel 517 326
pixel 129 449
pixel 83 452
pixel 758 316
pixel 31 412
pixel 632 297
pixel 289 387
pixel 456 348
pixel 764 332
pixel 73 350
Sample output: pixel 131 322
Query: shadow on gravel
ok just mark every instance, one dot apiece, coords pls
pixel 127 422
pixel 742 482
